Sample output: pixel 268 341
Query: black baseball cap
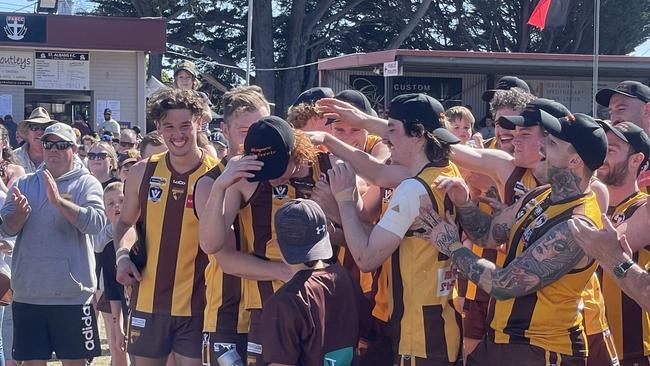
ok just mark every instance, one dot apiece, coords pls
pixel 271 139
pixel 357 99
pixel 422 109
pixel 108 110
pixel 310 96
pixel 629 88
pixel 586 136
pixel 632 134
pixel 529 116
pixel 301 231
pixel 505 83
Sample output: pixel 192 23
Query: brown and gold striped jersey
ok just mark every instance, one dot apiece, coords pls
pixel 548 318
pixel 257 233
pixel 173 279
pixel 224 308
pixel 629 324
pixel 422 315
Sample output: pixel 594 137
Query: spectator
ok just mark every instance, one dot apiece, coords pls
pixel 109 124
pixel 9 169
pixel 128 140
pixel 81 124
pixel 219 142
pixel 30 155
pixel 11 127
pixel 125 161
pixel 152 143
pixel 461 124
pixel 310 320
pixel 53 312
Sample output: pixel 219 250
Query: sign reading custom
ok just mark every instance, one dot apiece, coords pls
pixel 23 28
pixel 62 70
pixel 16 68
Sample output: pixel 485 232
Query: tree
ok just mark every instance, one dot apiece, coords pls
pixel 291 33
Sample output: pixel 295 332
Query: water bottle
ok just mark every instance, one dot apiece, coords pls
pixel 228 356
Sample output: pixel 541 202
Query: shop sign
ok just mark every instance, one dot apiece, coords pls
pixel 16 68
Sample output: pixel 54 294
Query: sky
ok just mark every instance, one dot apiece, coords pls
pixel 27 6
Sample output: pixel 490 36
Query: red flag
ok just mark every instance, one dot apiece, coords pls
pixel 538 17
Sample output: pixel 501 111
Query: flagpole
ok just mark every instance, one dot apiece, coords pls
pixel 594 87
pixel 249 41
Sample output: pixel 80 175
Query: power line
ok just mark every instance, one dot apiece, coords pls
pixel 256 69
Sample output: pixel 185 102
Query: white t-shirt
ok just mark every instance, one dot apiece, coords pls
pixel 404 207
pixel 111 126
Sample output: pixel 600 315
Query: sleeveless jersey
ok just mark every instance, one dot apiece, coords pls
pixel 593 309
pixel 548 318
pixel 173 278
pixel 520 181
pixel 224 310
pixel 490 143
pixel 422 315
pixel 371 142
pixel 258 231
pixel 382 276
pixel 629 324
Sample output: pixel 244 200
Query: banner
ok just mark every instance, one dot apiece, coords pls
pixel 16 68
pixel 23 28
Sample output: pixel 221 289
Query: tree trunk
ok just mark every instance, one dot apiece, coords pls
pixel 155 65
pixel 292 80
pixel 525 30
pixel 263 47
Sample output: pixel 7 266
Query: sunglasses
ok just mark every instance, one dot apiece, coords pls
pixel 60 145
pixel 127 144
pixel 38 127
pixel 97 156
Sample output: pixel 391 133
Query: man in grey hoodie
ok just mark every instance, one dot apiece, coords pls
pixel 54 212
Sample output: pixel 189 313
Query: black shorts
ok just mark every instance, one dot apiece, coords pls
pixel 157 335
pixel 213 342
pixel 68 330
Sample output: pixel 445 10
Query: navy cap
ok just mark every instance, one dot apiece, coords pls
pixel 505 83
pixel 423 109
pixel 271 139
pixel 631 89
pixel 301 231
pixel 529 116
pixel 586 136
pixel 310 96
pixel 357 99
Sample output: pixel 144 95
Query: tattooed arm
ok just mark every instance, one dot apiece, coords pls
pixel 485 230
pixel 542 263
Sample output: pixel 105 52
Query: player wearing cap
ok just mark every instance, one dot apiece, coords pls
pixel 281 164
pixel 629 101
pixel 425 325
pixel 53 266
pixel 534 318
pixel 509 102
pixel 304 115
pixel 311 319
pixel 627 156
pixel 168 296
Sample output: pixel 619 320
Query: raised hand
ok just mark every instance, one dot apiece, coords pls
pixel 441 233
pixel 456 188
pixel 51 189
pixel 21 204
pixel 237 168
pixel 342 178
pixel 340 110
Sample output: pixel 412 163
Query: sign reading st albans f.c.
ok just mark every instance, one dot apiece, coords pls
pixel 23 28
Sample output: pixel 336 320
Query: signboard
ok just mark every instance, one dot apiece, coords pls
pixel 23 28
pixel 62 70
pixel 574 94
pixel 391 68
pixel 16 68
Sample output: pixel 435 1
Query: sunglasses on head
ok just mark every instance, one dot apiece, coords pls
pixel 127 144
pixel 59 145
pixel 37 127
pixel 97 156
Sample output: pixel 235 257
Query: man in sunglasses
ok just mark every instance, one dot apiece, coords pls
pixel 30 155
pixel 128 140
pixel 53 258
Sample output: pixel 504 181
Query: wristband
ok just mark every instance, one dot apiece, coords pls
pixel 345 195
pixel 120 257
pixel 121 251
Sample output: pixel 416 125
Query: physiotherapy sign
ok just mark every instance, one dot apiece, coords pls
pixel 23 28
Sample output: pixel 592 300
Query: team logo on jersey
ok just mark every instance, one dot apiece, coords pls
pixel 541 220
pixel 520 214
pixel 280 192
pixel 618 218
pixel 388 193
pixel 528 233
pixel 179 182
pixel 157 181
pixel 177 193
pixel 155 193
pixel 189 203
pixel 538 210
pixel 520 190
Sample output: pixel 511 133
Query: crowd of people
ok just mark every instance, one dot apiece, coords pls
pixel 335 237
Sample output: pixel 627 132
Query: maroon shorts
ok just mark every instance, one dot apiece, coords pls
pixel 488 353
pixel 157 335
pixel 475 314
pixel 254 347
pixel 601 350
pixel 215 342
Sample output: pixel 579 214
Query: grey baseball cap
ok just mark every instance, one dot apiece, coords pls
pixel 64 131
pixel 301 230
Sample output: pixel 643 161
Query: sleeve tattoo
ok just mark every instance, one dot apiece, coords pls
pixel 542 263
pixel 479 226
